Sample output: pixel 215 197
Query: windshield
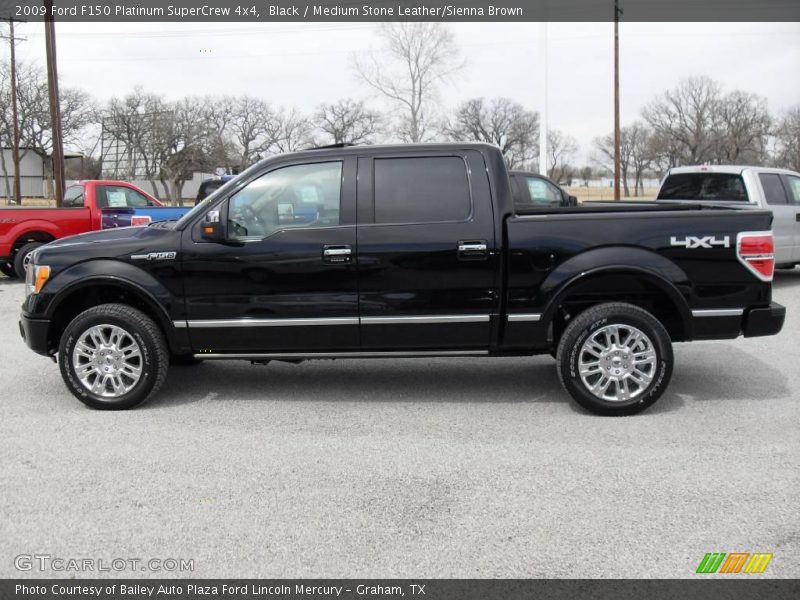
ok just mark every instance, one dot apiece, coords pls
pixel 210 199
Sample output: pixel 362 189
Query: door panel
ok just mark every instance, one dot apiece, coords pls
pixel 426 285
pixel 275 288
pixel 783 222
pixel 792 183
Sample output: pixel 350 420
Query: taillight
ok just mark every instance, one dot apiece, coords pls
pixel 756 251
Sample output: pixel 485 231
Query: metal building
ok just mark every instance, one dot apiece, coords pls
pixel 32 169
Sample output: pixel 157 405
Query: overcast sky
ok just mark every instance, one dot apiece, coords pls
pixel 305 64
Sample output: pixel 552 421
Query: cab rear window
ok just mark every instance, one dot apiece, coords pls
pixel 725 187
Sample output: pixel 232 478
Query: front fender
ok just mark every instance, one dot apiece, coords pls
pixel 109 272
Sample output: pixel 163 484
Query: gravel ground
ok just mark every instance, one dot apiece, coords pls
pixel 403 468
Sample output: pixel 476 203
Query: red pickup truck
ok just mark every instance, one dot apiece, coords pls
pixel 88 206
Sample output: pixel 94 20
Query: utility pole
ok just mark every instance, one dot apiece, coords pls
pixel 617 13
pixel 543 118
pixel 55 111
pixel 14 112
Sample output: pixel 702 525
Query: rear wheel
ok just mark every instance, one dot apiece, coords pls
pixel 113 357
pixel 22 256
pixel 615 359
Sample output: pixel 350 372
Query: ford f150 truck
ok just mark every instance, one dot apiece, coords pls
pixel 777 190
pixel 400 251
pixel 88 206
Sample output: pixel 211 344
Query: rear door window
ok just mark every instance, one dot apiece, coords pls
pixel 794 188
pixel 421 190
pixel 773 188
pixel 73 197
pixel 704 186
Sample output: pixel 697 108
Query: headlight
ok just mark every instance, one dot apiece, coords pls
pixel 35 278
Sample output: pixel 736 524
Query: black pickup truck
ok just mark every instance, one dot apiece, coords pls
pixel 400 251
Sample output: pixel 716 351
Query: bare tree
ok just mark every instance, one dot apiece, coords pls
pixel 605 148
pixel 561 148
pixel 187 146
pixel 416 58
pixel 586 173
pixel 140 125
pixel 218 113
pixel 291 131
pixel 745 128
pixel 254 128
pixel 787 135
pixel 346 122
pixel 77 113
pixel 634 154
pixel 687 120
pixel 641 153
pixel 501 122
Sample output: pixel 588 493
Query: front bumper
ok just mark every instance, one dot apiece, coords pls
pixel 34 332
pixel 764 321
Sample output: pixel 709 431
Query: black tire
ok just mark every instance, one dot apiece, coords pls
pixel 183 360
pixel 21 255
pixel 7 269
pixel 154 361
pixel 592 322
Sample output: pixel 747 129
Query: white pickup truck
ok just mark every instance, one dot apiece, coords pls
pixel 777 190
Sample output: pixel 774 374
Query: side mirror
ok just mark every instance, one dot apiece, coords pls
pixel 211 227
pixel 572 201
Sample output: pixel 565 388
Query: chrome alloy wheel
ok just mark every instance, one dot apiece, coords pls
pixel 107 360
pixel 617 363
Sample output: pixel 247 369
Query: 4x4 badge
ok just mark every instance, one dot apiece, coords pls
pixel 707 241
pixel 155 256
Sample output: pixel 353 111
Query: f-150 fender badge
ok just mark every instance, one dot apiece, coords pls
pixel 155 256
pixel 706 241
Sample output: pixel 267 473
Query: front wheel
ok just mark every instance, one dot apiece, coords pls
pixel 22 256
pixel 113 357
pixel 615 359
pixel 7 269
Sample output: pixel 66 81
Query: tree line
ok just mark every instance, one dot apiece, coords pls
pixel 696 122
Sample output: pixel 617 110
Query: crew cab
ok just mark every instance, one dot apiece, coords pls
pixel 777 190
pixel 88 206
pixel 400 251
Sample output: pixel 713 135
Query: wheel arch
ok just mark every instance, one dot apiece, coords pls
pixel 636 285
pixel 88 291
pixel 32 235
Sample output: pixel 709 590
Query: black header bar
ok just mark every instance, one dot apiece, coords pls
pixel 261 11
pixel 407 589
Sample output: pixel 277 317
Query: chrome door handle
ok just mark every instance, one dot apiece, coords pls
pixel 336 254
pixel 471 247
pixel 473 250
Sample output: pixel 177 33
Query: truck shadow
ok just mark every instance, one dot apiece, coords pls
pixel 785 278
pixel 379 380
pixel 511 380
pixel 740 376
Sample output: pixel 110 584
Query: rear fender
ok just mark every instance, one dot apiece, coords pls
pixel 641 263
